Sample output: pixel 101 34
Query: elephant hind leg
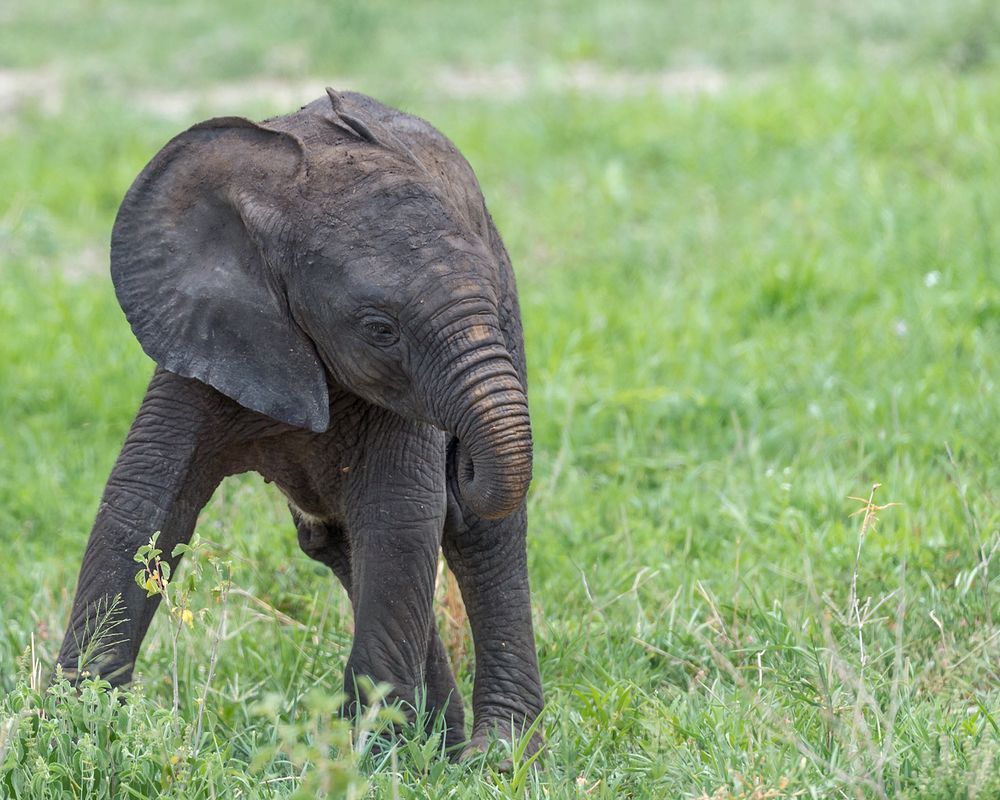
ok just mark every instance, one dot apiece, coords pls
pixel 443 693
pixel 328 543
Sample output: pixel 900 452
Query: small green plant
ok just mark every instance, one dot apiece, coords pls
pixel 102 633
pixel 155 578
pixel 328 749
pixel 521 772
pixel 93 742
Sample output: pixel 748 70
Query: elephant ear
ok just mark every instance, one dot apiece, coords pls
pixel 193 253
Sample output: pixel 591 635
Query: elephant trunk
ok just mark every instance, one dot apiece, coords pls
pixel 488 413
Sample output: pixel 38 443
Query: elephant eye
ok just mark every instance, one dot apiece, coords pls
pixel 381 332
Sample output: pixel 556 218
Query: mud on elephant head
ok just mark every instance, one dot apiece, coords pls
pixel 282 260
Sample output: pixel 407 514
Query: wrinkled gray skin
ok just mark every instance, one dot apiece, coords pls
pixel 329 304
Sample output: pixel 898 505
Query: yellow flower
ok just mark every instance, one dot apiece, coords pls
pixel 187 617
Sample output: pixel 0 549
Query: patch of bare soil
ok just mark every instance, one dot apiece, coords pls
pixel 92 260
pixel 508 81
pixel 21 87
pixel 505 82
pixel 234 98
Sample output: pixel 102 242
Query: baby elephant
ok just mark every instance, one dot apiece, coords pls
pixel 329 304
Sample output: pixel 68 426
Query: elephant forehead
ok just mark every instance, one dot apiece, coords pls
pixel 465 270
pixel 387 197
pixel 379 176
pixel 397 252
pixel 412 286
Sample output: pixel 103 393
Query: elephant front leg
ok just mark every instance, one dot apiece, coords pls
pixel 489 560
pixel 328 544
pixel 159 483
pixel 395 515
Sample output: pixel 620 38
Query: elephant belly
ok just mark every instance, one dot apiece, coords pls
pixel 314 498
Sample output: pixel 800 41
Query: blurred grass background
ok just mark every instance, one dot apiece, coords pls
pixel 758 261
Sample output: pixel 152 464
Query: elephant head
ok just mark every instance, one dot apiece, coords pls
pixel 330 251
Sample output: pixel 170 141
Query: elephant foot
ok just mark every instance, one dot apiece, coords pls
pixel 422 715
pixel 454 736
pixel 506 742
pixel 110 669
pixel 447 718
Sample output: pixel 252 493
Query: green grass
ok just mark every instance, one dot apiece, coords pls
pixel 741 309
